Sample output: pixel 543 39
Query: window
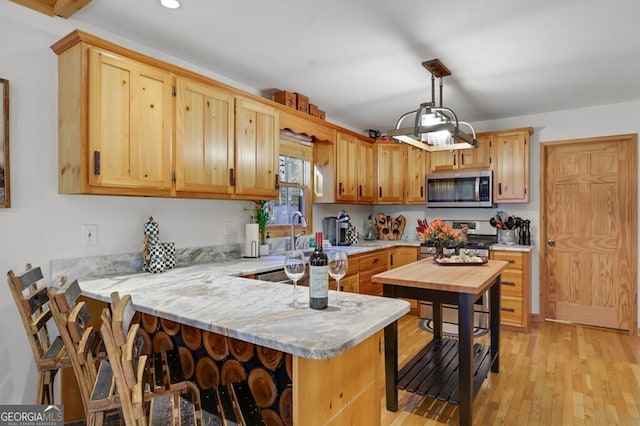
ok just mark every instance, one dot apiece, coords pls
pixel 295 188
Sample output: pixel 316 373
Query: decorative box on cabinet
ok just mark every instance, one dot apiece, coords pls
pixel 515 284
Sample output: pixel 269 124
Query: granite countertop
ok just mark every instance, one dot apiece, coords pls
pixel 212 297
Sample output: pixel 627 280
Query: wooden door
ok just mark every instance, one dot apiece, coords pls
pixel 590 229
pixel 391 172
pixel 347 167
pixel 476 158
pixel 511 167
pixel 366 172
pixel 443 161
pixel 415 175
pixel 204 138
pixel 129 123
pixel 257 141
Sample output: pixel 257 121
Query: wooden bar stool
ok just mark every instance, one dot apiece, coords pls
pixel 124 343
pixel 228 404
pixel 86 351
pixel 33 306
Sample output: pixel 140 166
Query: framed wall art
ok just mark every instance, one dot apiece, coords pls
pixel 5 188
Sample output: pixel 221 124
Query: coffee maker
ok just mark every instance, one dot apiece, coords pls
pixel 335 229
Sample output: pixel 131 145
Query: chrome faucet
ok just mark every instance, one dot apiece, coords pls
pixel 303 223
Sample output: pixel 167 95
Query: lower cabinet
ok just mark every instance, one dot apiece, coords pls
pixel 399 256
pixel 515 289
pixel 370 264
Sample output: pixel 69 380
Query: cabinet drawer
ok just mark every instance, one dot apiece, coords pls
pixel 511 312
pixel 511 283
pixel 378 261
pixel 515 259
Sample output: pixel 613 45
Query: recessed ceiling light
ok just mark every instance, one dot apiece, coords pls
pixel 170 4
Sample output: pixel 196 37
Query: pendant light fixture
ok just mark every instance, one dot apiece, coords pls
pixel 435 127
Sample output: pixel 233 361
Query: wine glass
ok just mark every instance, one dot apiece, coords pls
pixel 338 266
pixel 294 267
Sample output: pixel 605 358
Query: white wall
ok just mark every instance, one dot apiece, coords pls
pixel 42 225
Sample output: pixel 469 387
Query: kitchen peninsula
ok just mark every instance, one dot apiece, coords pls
pixel 336 354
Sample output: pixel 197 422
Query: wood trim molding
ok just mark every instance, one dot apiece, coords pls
pixel 62 8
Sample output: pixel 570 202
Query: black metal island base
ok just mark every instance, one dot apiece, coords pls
pixel 449 369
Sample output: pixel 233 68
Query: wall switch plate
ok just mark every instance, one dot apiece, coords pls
pixel 89 235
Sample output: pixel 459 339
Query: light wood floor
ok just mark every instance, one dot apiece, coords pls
pixel 557 374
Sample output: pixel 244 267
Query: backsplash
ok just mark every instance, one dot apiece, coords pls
pixel 96 266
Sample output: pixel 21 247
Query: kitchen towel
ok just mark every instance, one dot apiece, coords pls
pixel 251 240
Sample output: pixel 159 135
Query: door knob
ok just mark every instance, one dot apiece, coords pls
pixel 551 243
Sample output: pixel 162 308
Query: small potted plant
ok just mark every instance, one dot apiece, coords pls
pixel 261 217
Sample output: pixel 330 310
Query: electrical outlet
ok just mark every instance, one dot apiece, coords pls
pixel 89 235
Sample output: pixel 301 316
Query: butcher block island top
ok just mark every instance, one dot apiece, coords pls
pixel 251 310
pixel 458 278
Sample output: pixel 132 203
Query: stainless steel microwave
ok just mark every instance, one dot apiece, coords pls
pixel 462 189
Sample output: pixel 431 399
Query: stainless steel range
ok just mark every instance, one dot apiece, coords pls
pixel 480 235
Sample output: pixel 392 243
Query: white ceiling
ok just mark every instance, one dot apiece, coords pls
pixel 360 60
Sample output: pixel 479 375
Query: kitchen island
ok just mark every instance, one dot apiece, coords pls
pixel 445 368
pixel 336 353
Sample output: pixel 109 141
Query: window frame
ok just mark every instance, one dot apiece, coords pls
pixel 296 149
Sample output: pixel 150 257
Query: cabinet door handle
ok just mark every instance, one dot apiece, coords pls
pixel 277 181
pixel 391 259
pixel 461 159
pixel 380 191
pixel 360 190
pixel 232 177
pixel 508 309
pixel 421 191
pixel 500 188
pixel 339 187
pixel 509 283
pixel 375 260
pixel 454 158
pixel 96 163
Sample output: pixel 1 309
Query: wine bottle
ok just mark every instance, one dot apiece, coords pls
pixel 318 276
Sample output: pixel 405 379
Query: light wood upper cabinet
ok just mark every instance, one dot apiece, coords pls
pixel 132 125
pixel 129 123
pixel 366 172
pixel 257 140
pixel 510 155
pixel 347 167
pixel 205 147
pixel 401 174
pixel 476 158
pixel 115 124
pixel 391 172
pixel 415 173
pixel 462 159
